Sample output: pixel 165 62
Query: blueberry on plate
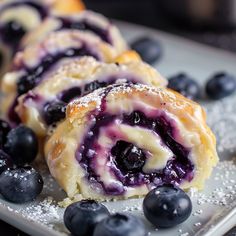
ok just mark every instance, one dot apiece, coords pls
pixel 21 145
pixel 54 112
pixel 4 130
pixel 120 225
pixel 81 217
pixel 185 85
pixel 221 85
pixel 167 206
pixel 5 161
pixel 149 49
pixel 20 185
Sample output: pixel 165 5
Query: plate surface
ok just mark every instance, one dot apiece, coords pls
pixel 214 209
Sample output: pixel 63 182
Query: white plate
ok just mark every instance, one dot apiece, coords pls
pixel 214 209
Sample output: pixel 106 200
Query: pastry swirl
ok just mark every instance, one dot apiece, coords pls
pixel 75 79
pixel 15 23
pixel 36 62
pixel 86 21
pixel 123 140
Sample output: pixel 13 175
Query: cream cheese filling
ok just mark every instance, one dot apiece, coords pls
pixel 157 154
pixel 187 138
pixel 28 17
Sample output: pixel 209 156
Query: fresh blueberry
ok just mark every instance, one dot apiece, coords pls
pixel 21 145
pixel 185 85
pixel 167 206
pixel 149 49
pixel 221 85
pixel 20 185
pixel 4 130
pixel 81 217
pixel 54 112
pixel 120 225
pixel 5 161
pixel 128 156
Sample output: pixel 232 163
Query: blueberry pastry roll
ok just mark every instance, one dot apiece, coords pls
pixel 45 104
pixel 17 17
pixel 87 21
pixel 36 62
pixel 123 140
pixel 14 23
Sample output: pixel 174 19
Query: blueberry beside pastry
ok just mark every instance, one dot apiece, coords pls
pixel 123 140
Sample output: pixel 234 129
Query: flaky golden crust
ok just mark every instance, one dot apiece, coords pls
pixel 190 118
pixel 128 56
pixel 62 7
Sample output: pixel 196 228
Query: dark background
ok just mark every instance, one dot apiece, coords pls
pixel 172 16
pixel 217 29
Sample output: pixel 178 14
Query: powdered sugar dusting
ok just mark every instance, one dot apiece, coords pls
pixel 219 196
pixel 114 90
pixel 225 194
pixel 44 212
pixel 222 119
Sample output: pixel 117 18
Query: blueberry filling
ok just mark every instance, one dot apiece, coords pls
pixel 162 127
pixel 12 115
pixel 93 86
pixel 70 94
pixel 74 92
pixel 34 75
pixel 54 112
pixel 12 31
pixel 128 156
pixel 85 25
pixel 129 172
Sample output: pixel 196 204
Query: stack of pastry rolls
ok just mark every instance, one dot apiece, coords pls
pixel 109 127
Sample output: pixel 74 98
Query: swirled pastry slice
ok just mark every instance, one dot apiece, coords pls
pixel 36 62
pixel 17 17
pixel 75 79
pixel 85 21
pixel 123 140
